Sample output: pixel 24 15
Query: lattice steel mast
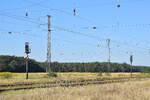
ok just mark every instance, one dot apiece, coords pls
pixel 48 69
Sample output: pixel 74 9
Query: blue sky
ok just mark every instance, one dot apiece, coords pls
pixel 127 27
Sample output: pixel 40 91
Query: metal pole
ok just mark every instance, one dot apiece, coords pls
pixel 131 70
pixel 27 51
pixel 27 66
pixel 48 69
pixel 108 66
pixel 131 67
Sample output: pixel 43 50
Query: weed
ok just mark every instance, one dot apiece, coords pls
pixel 6 75
pixel 52 74
pixel 100 74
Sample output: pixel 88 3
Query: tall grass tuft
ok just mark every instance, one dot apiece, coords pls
pixel 52 74
pixel 6 75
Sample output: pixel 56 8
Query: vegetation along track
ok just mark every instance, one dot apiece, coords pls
pixel 64 83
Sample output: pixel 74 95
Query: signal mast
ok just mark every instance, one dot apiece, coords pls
pixel 27 52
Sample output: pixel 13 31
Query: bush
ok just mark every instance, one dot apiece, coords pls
pixel 146 74
pixel 6 75
pixel 121 75
pixel 52 74
pixel 100 74
pixel 107 74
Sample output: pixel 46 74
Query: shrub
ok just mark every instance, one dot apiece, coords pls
pixel 6 75
pixel 107 74
pixel 52 74
pixel 146 74
pixel 100 74
pixel 121 75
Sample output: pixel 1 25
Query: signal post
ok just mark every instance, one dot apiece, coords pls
pixel 27 51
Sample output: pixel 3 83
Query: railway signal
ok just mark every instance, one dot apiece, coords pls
pixel 27 51
pixel 131 61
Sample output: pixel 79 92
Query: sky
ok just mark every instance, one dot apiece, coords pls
pixel 73 36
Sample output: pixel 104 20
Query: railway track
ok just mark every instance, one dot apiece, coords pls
pixel 65 83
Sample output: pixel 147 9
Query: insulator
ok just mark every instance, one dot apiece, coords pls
pixel 74 12
pixel 94 27
pixel 10 32
pixel 118 5
pixel 26 13
pixel 98 45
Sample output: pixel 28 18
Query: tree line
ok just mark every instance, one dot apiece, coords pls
pixel 17 64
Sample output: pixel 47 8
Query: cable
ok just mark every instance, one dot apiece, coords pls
pixel 4 31
pixel 119 26
pixel 94 27
pixel 59 10
pixel 71 31
pixel 19 8
pixel 19 18
pixel 94 37
pixel 63 11
pixel 80 33
pixel 81 43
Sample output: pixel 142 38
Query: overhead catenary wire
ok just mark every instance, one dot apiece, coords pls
pixel 79 33
pixel 70 41
pixel 20 8
pixel 59 10
pixel 86 34
pixel 33 4
pixel 147 25
pixel 21 33
pixel 4 31
pixel 81 43
pixel 18 18
pixel 62 29
pixel 33 20
pixel 65 12
pixel 97 38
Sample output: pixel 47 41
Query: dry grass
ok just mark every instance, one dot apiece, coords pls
pixel 38 77
pixel 139 90
pixel 41 77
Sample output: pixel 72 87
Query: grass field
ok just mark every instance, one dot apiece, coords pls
pixel 132 90
pixel 38 77
pixel 137 90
